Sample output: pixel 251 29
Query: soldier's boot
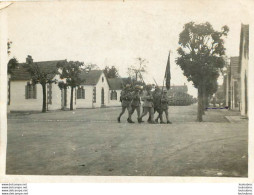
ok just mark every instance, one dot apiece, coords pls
pixel 118 119
pixel 140 120
pixel 129 120
pixel 156 120
pixel 152 122
pixel 168 122
pixel 162 122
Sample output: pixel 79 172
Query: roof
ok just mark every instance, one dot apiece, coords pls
pixel 234 67
pixel 178 88
pixel 21 72
pixel 115 83
pixel 91 77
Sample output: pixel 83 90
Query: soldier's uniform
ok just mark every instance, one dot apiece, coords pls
pixel 164 102
pixel 125 98
pixel 135 103
pixel 148 105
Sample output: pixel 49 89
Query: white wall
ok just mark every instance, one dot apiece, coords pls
pixel 114 102
pixel 244 70
pixel 88 101
pixel 18 97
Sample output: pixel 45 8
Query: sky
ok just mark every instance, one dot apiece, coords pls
pixel 115 33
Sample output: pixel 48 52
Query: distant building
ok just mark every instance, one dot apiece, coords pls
pixel 94 91
pixel 243 68
pixel 115 88
pixel 233 84
pixel 24 96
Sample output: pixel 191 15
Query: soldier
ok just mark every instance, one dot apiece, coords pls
pixel 148 104
pixel 135 103
pixel 156 101
pixel 163 108
pixel 125 98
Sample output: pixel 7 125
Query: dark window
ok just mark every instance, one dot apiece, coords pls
pixel 113 95
pixel 102 79
pixel 30 91
pixel 94 95
pixel 81 93
pixel 49 87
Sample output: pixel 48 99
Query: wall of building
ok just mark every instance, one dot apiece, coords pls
pixel 114 102
pixel 88 101
pixel 18 100
pixel 244 88
pixel 99 87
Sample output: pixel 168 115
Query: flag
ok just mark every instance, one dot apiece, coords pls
pixel 167 73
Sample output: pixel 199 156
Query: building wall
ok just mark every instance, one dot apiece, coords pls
pixel 114 102
pixel 88 101
pixel 244 88
pixel 99 87
pixel 18 97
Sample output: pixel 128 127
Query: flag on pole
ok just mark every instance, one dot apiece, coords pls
pixel 167 73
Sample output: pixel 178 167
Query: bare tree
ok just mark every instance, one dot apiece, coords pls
pixel 136 71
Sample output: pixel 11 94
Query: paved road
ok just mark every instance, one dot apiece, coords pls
pixel 91 142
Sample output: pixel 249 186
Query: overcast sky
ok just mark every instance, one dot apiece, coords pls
pixel 116 32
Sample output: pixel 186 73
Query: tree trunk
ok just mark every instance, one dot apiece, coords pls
pixel 200 105
pixel 44 106
pixel 204 98
pixel 71 102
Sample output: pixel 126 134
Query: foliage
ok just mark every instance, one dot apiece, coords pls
pixel 136 71
pixel 12 64
pixel 111 72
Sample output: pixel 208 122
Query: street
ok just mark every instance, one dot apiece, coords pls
pixel 91 142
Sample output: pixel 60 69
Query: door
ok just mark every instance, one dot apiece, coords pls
pixel 102 96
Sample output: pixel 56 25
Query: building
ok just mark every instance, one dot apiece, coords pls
pixel 233 84
pixel 24 96
pixel 243 69
pixel 115 88
pixel 94 90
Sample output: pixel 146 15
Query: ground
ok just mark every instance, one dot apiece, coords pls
pixel 91 142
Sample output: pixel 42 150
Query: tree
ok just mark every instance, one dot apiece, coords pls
pixel 136 71
pixel 201 54
pixel 13 62
pixel 90 66
pixel 40 76
pixel 111 72
pixel 71 72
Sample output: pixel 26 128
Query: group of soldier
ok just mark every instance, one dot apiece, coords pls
pixel 153 101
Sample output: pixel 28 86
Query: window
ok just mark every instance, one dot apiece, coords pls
pixel 30 91
pixel 113 95
pixel 94 95
pixel 102 79
pixel 49 88
pixel 81 93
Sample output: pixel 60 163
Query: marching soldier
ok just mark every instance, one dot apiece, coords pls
pixel 125 98
pixel 148 104
pixel 163 108
pixel 135 103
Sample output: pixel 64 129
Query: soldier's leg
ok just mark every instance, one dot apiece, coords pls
pixel 119 117
pixel 131 110
pixel 138 111
pixel 151 113
pixel 168 121
pixel 145 111
pixel 161 117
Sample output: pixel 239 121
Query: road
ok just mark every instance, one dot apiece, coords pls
pixel 91 142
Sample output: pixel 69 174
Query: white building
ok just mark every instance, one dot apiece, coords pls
pixel 115 88
pixel 94 91
pixel 23 96
pixel 243 68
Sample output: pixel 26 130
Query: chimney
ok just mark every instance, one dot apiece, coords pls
pixel 29 59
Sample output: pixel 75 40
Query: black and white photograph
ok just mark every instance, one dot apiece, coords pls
pixel 126 88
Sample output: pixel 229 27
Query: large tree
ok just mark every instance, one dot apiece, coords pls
pixel 111 72
pixel 201 54
pixel 136 71
pixel 39 75
pixel 71 72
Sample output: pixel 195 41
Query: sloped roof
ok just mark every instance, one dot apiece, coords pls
pixel 115 83
pixel 234 67
pixel 91 77
pixel 21 72
pixel 177 88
